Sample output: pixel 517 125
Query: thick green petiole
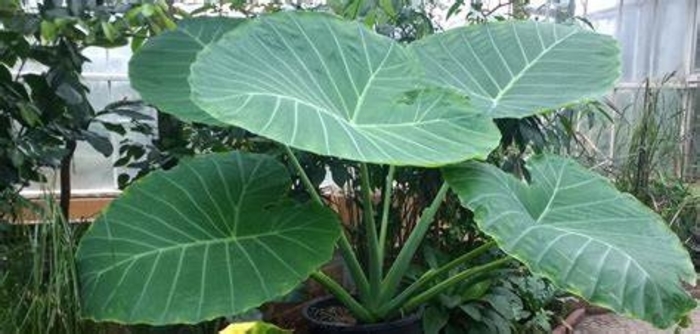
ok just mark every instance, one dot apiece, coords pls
pixel 359 311
pixel 403 260
pixel 474 253
pixel 430 275
pixel 386 207
pixel 304 178
pixel 416 301
pixel 375 262
pixel 346 250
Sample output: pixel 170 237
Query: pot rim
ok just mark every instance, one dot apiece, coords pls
pixel 397 322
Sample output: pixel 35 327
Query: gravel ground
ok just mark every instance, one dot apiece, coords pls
pixel 610 323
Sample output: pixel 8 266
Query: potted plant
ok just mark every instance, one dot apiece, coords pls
pixel 217 235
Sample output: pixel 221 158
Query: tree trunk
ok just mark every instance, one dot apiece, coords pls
pixel 64 200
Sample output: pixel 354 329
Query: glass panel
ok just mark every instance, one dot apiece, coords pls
pixel 117 60
pixel 694 159
pixel 595 6
pixel 671 37
pixel 697 44
pixel 602 14
pixel 121 90
pixel 662 136
pixel 636 31
pixel 99 93
pixel 91 171
pixel 98 60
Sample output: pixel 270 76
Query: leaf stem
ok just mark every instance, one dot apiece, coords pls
pixel 448 283
pixel 357 310
pixel 386 202
pixel 431 274
pixel 304 177
pixel 346 250
pixel 474 253
pixel 375 262
pixel 403 260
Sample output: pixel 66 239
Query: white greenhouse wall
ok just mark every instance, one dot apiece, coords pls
pixel 106 77
pixel 657 37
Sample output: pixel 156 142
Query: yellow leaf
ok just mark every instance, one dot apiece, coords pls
pixel 256 327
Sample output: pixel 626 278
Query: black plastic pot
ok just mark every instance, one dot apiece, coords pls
pixel 412 324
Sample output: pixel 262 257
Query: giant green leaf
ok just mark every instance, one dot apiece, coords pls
pixel 332 87
pixel 159 70
pixel 573 226
pixel 211 237
pixel 516 69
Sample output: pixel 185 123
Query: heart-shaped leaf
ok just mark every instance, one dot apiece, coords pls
pixel 516 69
pixel 159 70
pixel 573 226
pixel 212 237
pixel 317 83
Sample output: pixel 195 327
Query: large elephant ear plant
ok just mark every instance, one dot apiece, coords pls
pixel 216 235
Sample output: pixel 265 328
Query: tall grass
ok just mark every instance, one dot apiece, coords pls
pixel 39 291
pixel 654 149
pixel 652 168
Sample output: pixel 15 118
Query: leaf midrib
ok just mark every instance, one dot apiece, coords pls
pixel 538 224
pixel 647 275
pixel 528 66
pixel 338 118
pixel 182 246
pixel 361 98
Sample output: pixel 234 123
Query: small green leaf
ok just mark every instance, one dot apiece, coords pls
pixel 476 290
pixel 48 31
pixel 388 7
pixel 100 143
pixel 114 127
pixel 137 40
pixel 454 8
pixel 471 310
pixel 147 10
pixel 69 93
pixel 434 319
pixel 9 7
pixel 30 113
pixel 109 31
pixel 505 302
pixel 17 158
